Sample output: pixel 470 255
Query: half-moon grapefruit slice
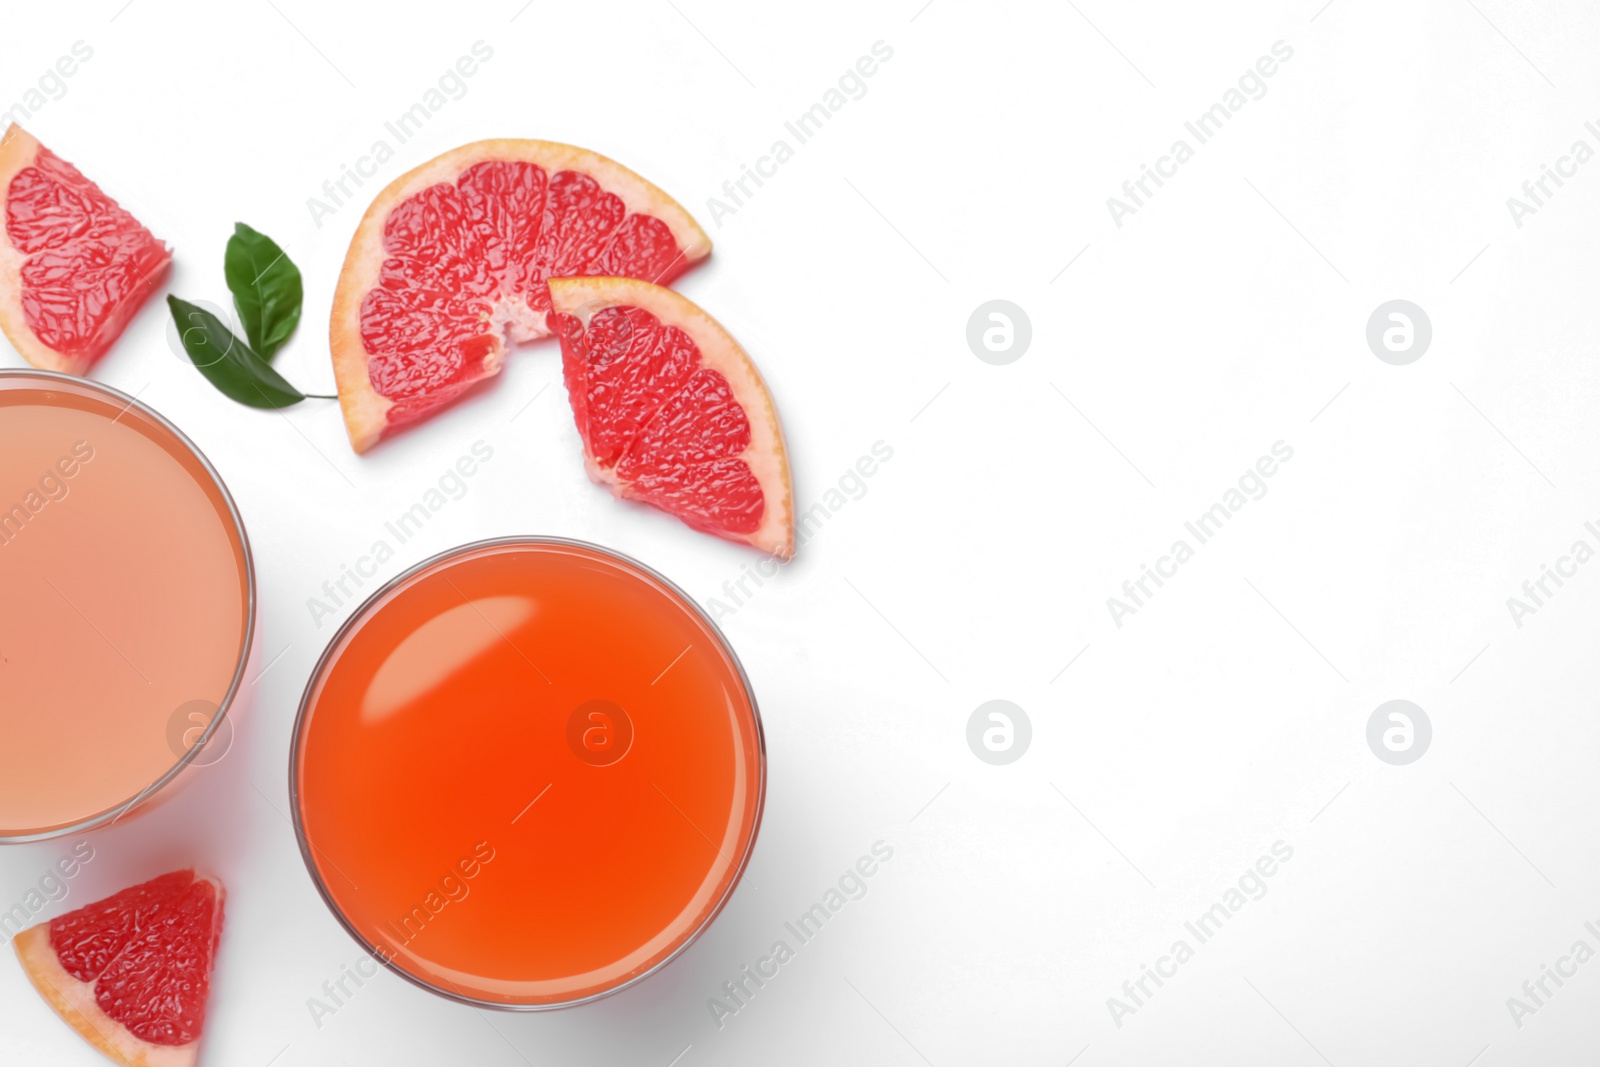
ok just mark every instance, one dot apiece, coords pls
pixel 74 266
pixel 131 973
pixel 449 264
pixel 671 410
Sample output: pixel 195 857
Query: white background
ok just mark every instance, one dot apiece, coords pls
pixel 1226 315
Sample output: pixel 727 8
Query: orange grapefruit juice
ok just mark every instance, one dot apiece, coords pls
pixel 527 773
pixel 126 586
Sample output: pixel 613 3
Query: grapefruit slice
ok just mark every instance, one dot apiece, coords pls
pixel 74 266
pixel 131 973
pixel 671 410
pixel 448 266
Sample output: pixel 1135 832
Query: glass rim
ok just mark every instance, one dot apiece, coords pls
pixel 536 541
pixel 115 812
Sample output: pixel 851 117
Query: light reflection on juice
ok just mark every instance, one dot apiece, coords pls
pixel 124 601
pixel 527 773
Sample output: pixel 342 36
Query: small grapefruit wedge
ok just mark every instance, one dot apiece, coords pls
pixel 448 267
pixel 671 410
pixel 74 266
pixel 131 973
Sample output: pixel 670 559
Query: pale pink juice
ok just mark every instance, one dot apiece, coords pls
pixel 125 599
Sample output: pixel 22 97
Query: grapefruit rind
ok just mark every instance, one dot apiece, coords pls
pixel 18 150
pixel 74 1000
pixel 766 456
pixel 365 409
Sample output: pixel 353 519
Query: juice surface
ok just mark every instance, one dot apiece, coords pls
pixel 124 589
pixel 528 773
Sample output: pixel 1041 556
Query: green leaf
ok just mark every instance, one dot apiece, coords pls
pixel 266 289
pixel 225 360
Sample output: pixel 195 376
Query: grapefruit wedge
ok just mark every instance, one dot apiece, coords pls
pixel 671 410
pixel 131 973
pixel 74 266
pixel 448 268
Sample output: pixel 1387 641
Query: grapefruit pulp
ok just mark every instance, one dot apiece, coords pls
pixel 74 266
pixel 671 411
pixel 131 973
pixel 448 267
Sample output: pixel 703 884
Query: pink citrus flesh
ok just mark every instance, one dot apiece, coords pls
pixel 671 410
pixel 449 268
pixel 75 267
pixel 131 973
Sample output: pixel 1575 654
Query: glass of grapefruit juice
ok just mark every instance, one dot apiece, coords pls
pixel 129 603
pixel 527 773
